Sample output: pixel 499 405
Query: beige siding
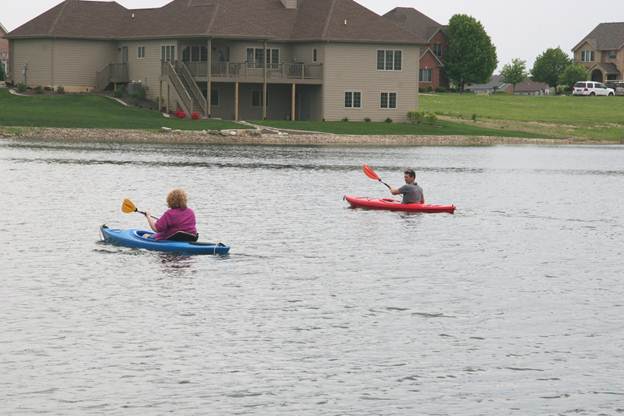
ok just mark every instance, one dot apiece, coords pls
pixel 146 70
pixel 76 62
pixel 350 67
pixel 69 63
pixel 305 53
pixel 36 54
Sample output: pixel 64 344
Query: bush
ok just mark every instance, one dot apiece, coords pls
pixel 474 118
pixel 345 119
pixel 442 90
pixel 425 89
pixel 2 72
pixel 21 88
pixel 418 117
pixel 60 90
pixel 137 91
pixel 48 89
pixel 38 89
pixel 119 92
pixel 388 120
pixel 367 120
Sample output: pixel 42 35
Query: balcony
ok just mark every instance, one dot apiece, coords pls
pixel 287 73
pixel 112 74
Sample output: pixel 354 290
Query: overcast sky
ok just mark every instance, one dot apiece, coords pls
pixel 519 29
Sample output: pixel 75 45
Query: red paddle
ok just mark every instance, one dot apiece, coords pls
pixel 368 171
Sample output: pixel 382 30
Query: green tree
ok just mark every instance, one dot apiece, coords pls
pixel 471 56
pixel 550 65
pixel 515 72
pixel 573 74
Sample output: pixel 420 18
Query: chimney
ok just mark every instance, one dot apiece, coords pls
pixel 290 4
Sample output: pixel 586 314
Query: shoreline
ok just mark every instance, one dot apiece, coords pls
pixel 268 137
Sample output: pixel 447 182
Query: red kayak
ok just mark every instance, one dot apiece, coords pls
pixel 394 205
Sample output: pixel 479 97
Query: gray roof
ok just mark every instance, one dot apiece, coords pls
pixel 531 86
pixel 610 68
pixel 496 82
pixel 313 20
pixel 606 36
pixel 414 21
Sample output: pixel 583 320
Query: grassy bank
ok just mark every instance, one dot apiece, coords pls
pixel 90 111
pixel 597 118
pixel 440 128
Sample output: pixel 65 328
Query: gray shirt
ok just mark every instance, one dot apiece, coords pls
pixel 412 193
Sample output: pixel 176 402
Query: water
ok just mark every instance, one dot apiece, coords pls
pixel 513 306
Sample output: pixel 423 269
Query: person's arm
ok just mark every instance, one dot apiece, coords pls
pixel 151 221
pixel 395 191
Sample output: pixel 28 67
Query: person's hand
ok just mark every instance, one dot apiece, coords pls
pixel 147 214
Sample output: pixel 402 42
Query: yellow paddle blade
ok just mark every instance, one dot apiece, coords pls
pixel 128 207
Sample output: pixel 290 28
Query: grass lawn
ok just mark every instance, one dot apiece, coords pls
pixel 582 117
pixel 441 128
pixel 90 111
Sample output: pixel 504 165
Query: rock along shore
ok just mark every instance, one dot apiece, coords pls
pixel 264 137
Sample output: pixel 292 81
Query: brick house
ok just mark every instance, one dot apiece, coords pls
pixel 4 48
pixel 602 52
pixel 431 74
pixel 231 59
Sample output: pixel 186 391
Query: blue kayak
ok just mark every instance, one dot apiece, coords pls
pixel 137 239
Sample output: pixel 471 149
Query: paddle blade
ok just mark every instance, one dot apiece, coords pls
pixel 368 171
pixel 128 207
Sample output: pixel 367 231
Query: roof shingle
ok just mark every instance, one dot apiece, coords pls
pixel 313 20
pixel 606 36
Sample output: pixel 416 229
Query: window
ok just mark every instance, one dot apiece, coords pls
pixel 388 100
pixel 314 55
pixel 426 75
pixel 195 54
pixel 587 56
pixel 612 54
pixel 256 98
pixel 255 57
pixel 214 98
pixel 389 60
pixel 141 52
pixel 167 53
pixel 353 99
pixel 437 49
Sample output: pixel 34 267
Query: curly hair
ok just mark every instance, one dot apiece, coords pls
pixel 177 199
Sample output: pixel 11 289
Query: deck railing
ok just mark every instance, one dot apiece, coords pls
pixel 191 86
pixel 245 70
pixel 111 73
pixel 169 71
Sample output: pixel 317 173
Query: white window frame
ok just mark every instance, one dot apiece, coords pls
pixel 353 107
pixel 385 66
pixel 420 78
pixel 587 54
pixel 164 53
pixel 268 57
pixel 396 100
pixel 141 52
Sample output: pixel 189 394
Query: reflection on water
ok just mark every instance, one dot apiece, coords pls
pixel 511 306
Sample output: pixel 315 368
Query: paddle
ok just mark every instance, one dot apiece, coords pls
pixel 128 207
pixel 368 171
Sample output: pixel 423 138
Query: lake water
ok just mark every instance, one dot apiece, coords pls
pixel 512 306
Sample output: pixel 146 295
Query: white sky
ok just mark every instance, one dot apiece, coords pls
pixel 521 29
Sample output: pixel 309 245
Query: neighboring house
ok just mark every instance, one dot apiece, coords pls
pixel 431 74
pixel 602 52
pixel 4 48
pixel 496 84
pixel 530 87
pixel 233 59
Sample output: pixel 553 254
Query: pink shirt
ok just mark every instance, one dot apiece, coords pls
pixel 175 220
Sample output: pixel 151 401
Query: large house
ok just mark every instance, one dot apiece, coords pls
pixel 432 75
pixel 602 52
pixel 232 59
pixel 4 48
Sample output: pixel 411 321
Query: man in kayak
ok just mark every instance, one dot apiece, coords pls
pixel 412 193
pixel 178 222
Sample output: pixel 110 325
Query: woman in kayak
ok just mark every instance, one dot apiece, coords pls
pixel 178 223
pixel 412 193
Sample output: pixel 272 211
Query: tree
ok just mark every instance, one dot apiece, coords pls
pixel 573 74
pixel 471 56
pixel 550 65
pixel 514 73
